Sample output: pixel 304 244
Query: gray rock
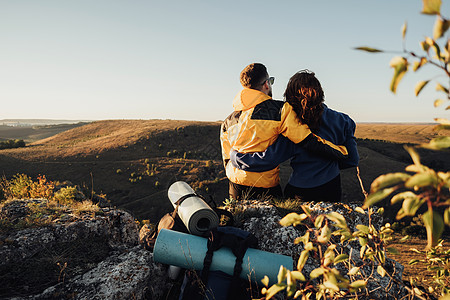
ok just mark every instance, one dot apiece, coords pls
pixel 115 266
pixel 120 276
pixel 278 239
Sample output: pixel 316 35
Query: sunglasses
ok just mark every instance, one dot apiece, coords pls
pixel 271 80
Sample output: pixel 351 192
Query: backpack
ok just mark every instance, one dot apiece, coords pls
pixel 217 285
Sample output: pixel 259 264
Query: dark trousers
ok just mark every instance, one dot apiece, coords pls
pixel 328 192
pixel 244 192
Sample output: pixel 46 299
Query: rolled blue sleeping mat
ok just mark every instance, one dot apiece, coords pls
pixel 188 251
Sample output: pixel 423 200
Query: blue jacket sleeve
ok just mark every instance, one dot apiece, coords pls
pixel 281 150
pixel 350 143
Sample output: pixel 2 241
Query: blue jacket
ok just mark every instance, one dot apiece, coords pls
pixel 308 170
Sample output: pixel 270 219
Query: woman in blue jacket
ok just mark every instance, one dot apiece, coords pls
pixel 313 178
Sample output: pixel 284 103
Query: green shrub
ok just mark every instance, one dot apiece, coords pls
pixel 21 186
pixel 9 144
pixel 68 195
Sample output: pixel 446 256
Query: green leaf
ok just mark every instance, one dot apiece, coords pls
pixel 392 250
pixel 404 28
pixel 438 102
pixel 293 219
pixel 353 271
pixel 297 275
pixel 376 197
pixel 420 85
pixel 411 205
pixel 381 256
pixel 318 221
pixel 316 273
pixel 362 241
pixel 441 88
pixel 340 258
pixel 404 238
pixel 420 180
pixel 413 262
pixel 363 228
pixel 309 246
pixel 381 271
pixel 434 225
pixel 380 211
pixel 338 219
pixel 368 49
pixel 415 250
pixel 358 284
pixel 360 210
pixel 387 180
pixel 306 210
pixel 325 235
pixel 281 274
pixel 440 27
pixel 439 143
pixel 425 46
pixel 414 155
pixel 445 179
pixel 304 239
pixel 400 65
pixel 447 216
pixel 302 260
pixel 402 196
pixel 265 280
pixel 418 64
pixel 330 285
pixel 432 43
pixel 345 235
pixel 431 7
pixel 274 289
pixel 416 168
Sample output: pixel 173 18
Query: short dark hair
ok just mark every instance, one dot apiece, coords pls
pixel 253 76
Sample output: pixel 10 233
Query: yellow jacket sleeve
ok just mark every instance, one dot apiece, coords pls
pixel 301 134
pixel 291 126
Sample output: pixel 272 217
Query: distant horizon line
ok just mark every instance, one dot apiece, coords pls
pixel 62 121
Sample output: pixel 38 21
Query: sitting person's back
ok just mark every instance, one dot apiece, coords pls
pixel 314 177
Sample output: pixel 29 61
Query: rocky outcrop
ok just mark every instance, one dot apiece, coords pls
pixel 264 223
pixel 97 255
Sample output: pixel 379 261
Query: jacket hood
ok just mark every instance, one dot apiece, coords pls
pixel 248 98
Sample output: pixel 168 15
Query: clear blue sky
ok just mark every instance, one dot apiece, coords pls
pixel 115 59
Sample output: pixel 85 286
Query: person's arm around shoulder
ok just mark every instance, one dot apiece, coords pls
pixel 350 143
pixel 281 150
pixel 302 135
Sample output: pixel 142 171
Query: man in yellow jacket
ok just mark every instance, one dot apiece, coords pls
pixel 255 124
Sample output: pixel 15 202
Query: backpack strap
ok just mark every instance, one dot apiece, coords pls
pixel 179 201
pixel 239 252
pixel 214 243
pixel 238 246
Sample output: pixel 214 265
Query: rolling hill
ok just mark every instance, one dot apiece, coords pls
pixel 133 162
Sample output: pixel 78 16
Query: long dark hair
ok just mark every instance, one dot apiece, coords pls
pixel 306 96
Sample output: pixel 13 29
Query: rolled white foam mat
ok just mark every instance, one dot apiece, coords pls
pixel 197 216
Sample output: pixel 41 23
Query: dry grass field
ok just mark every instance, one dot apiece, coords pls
pixel 133 162
pixel 397 133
